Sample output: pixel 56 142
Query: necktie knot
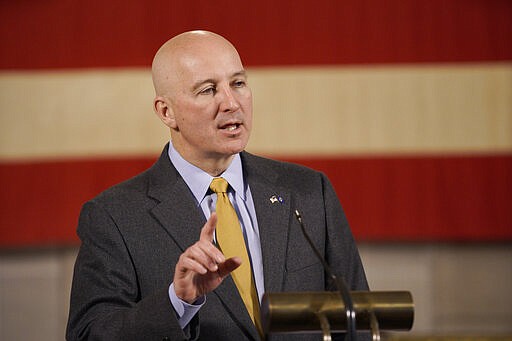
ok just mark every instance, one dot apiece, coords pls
pixel 219 185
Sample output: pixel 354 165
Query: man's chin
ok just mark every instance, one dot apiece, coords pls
pixel 234 147
pixel 231 152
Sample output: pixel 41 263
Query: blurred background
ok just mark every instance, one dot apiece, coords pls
pixel 405 105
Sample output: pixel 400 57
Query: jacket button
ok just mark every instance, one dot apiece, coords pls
pixel 166 339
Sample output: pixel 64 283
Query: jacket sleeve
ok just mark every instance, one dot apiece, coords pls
pixel 106 302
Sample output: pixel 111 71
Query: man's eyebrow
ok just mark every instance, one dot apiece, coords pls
pixel 239 73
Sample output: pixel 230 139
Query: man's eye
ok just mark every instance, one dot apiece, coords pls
pixel 208 91
pixel 239 84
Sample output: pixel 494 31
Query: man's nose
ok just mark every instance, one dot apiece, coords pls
pixel 228 101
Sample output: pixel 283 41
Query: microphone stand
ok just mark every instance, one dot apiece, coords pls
pixel 341 286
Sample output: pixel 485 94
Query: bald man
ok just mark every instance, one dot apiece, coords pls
pixel 150 266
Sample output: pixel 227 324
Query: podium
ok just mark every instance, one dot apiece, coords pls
pixel 303 312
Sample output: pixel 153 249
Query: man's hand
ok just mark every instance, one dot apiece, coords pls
pixel 202 267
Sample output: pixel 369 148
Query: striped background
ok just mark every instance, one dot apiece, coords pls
pixel 406 105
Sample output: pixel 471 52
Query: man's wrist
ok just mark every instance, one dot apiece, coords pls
pixel 184 311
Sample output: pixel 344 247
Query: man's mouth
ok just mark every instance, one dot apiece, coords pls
pixel 231 127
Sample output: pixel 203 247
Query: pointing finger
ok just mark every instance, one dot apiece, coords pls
pixel 209 228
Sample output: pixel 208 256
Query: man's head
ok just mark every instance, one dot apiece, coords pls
pixel 203 97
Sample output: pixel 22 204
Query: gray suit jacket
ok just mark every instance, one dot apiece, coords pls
pixel 133 233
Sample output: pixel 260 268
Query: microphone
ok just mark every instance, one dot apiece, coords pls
pixel 340 284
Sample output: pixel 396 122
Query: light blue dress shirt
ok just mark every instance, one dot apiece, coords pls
pixel 239 193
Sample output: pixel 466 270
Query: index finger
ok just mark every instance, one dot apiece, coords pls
pixel 209 228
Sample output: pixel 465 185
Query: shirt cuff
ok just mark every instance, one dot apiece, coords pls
pixel 184 310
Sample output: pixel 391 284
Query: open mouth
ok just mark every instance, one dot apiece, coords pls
pixel 231 127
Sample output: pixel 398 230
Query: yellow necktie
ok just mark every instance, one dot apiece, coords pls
pixel 231 242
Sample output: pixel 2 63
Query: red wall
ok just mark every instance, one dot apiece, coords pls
pixel 450 197
pixel 69 34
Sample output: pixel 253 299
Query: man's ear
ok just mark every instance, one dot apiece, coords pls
pixel 164 111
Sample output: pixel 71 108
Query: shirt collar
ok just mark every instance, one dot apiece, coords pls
pixel 199 181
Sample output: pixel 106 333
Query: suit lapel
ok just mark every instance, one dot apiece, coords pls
pixel 174 214
pixel 272 204
pixel 175 203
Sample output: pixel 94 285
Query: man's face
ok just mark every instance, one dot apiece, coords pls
pixel 211 103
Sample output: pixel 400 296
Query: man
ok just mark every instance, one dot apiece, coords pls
pixel 153 264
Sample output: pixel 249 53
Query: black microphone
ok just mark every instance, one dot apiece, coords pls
pixel 340 284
